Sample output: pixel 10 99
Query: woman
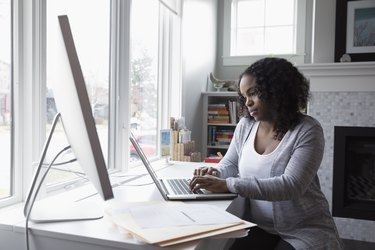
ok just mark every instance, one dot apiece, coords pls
pixel 273 161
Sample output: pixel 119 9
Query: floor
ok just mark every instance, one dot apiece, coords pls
pixel 358 245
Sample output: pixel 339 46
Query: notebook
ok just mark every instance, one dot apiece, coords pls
pixel 176 189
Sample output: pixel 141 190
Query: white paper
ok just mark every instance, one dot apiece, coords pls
pixel 163 215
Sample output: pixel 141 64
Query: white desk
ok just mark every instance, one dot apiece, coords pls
pixel 91 235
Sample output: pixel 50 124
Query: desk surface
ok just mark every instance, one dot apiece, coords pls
pixel 102 233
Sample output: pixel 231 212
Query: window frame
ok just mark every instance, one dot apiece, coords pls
pixel 119 85
pixel 25 96
pixel 15 175
pixel 302 45
pixel 29 84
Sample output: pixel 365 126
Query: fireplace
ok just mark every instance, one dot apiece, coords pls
pixel 354 172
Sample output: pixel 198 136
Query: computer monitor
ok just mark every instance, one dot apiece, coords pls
pixel 76 115
pixel 73 103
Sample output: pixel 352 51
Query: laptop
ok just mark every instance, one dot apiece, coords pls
pixel 177 189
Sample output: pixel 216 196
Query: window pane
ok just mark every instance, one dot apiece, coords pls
pixel 91 36
pixel 279 12
pixel 250 13
pixel 279 40
pixel 250 41
pixel 5 98
pixel 144 75
pixel 261 27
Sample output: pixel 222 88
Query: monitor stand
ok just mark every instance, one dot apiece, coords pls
pixel 49 210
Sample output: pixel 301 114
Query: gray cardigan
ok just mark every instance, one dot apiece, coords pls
pixel 300 210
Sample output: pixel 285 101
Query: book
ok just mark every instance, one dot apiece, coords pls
pixel 218 113
pixel 212 159
pixel 232 111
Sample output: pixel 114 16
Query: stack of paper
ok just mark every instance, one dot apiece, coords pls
pixel 169 223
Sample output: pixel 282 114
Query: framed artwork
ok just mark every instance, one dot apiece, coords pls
pixel 355 30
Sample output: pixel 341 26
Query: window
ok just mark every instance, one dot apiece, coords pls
pixel 91 36
pixel 261 27
pixel 144 87
pixel 131 65
pixel 153 68
pixel 258 28
pixel 6 128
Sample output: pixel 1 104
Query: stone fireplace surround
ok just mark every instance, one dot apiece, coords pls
pixel 343 94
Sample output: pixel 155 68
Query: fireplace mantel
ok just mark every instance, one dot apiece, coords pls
pixel 340 77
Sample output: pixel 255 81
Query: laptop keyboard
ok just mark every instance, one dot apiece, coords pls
pixel 181 186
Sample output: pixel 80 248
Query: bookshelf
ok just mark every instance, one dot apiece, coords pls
pixel 219 121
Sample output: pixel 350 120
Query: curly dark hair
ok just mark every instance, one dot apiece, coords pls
pixel 282 87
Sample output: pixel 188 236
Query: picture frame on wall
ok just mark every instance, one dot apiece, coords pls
pixel 355 31
pixel 360 27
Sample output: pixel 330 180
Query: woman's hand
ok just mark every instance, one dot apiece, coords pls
pixel 206 170
pixel 210 183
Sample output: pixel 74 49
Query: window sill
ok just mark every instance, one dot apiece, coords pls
pixel 12 215
pixel 247 60
pixel 74 192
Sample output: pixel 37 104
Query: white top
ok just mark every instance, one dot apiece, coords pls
pixel 254 164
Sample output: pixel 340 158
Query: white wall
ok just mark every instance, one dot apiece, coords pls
pixel 323 44
pixel 322 13
pixel 203 49
pixel 199 55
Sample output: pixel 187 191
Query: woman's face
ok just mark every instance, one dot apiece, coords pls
pixel 256 107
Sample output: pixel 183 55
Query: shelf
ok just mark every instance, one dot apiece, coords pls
pixel 221 107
